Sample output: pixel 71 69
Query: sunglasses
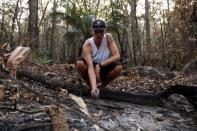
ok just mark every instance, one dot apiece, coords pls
pixel 98 31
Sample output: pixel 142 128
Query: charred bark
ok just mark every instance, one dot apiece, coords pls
pixel 82 90
pixel 23 122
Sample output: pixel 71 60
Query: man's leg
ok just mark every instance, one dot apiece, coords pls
pixel 114 72
pixel 110 72
pixel 82 69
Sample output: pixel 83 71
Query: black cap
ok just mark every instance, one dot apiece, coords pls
pixel 98 25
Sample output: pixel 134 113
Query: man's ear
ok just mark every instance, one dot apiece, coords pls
pixel 92 32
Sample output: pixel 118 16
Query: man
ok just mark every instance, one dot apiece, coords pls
pixel 100 58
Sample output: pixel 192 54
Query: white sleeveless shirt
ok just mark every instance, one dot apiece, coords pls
pixel 100 54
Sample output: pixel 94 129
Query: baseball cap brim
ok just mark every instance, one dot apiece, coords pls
pixel 98 29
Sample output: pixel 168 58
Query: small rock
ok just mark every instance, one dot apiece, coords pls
pixel 179 102
pixel 191 67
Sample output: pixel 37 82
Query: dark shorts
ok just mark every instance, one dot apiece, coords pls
pixel 104 71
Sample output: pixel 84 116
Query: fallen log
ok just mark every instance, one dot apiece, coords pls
pixel 82 90
pixel 21 121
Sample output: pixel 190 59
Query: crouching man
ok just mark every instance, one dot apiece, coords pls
pixel 100 58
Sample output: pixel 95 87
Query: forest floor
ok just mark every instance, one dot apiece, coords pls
pixel 22 109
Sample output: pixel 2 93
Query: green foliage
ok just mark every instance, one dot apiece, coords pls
pixel 79 15
pixel 70 37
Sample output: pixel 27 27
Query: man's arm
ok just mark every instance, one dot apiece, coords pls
pixel 91 72
pixel 113 49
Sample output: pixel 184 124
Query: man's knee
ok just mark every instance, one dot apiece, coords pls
pixel 81 67
pixel 80 64
pixel 118 69
pixel 115 72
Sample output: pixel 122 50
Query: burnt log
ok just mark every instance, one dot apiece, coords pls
pixel 21 121
pixel 83 90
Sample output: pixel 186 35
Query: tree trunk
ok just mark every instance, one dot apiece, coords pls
pixel 119 41
pixel 147 26
pixel 162 45
pixel 43 14
pixel 33 32
pixel 19 25
pixel 134 30
pixel 13 23
pixel 2 26
pixel 125 44
pixel 97 8
pixel 53 28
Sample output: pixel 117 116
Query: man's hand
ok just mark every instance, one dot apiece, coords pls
pixel 97 72
pixel 95 92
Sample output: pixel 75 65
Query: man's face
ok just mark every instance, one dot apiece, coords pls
pixel 98 34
